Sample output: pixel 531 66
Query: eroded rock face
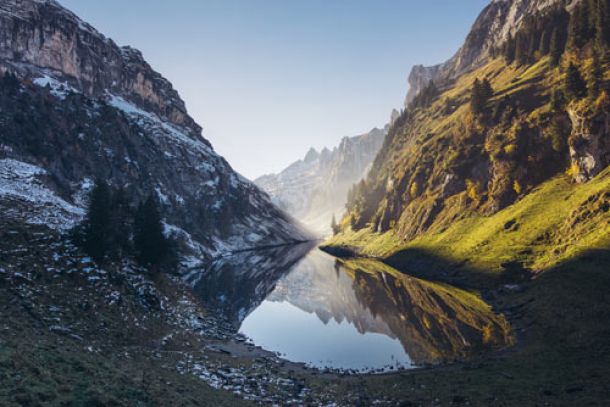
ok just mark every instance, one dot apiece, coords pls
pixel 589 143
pixel 493 26
pixel 42 34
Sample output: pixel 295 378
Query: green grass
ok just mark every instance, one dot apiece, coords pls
pixel 540 231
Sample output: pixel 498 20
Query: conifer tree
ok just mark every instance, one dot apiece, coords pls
pixel 480 94
pixel 509 50
pixel 579 31
pixel 557 100
pixel 602 23
pixel 596 75
pixel 545 42
pixel 334 226
pixel 486 89
pixel 520 49
pixel 555 47
pixel 97 231
pixel 120 224
pixel 575 85
pixel 152 247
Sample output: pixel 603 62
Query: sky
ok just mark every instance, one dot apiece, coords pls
pixel 268 79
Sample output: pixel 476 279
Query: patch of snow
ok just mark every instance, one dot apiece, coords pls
pixel 18 181
pixel 58 89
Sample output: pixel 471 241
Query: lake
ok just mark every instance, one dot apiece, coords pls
pixel 357 315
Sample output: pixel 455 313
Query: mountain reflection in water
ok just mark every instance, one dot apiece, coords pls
pixel 356 314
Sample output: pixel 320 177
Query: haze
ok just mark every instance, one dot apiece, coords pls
pixel 269 79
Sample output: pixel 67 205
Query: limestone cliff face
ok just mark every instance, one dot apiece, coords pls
pixel 493 26
pixel 43 34
pixel 589 143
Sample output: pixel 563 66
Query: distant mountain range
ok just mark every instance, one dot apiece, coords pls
pixel 315 188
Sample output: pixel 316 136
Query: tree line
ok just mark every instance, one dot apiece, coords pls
pixel 554 31
pixel 114 229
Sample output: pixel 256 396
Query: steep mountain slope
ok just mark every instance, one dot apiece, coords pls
pixel 472 182
pixel 499 20
pixel 314 189
pixel 76 107
pixel 451 158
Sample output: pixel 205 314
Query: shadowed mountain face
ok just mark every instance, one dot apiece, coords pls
pixel 272 295
pixel 74 107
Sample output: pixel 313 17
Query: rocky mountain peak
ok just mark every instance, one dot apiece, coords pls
pixel 40 37
pixel 492 27
pixel 311 155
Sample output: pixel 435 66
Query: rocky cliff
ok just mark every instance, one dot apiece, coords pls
pixel 499 20
pixel 315 188
pixel 37 34
pixel 76 107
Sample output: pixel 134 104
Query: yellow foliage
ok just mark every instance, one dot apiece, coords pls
pixel 472 190
pixel 414 189
pixel 602 101
pixel 510 149
pixel 573 170
pixel 517 187
pixel 487 333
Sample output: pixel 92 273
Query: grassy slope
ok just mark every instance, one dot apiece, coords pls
pixel 539 231
pixel 110 356
pixel 562 356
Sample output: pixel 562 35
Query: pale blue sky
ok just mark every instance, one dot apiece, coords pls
pixel 267 79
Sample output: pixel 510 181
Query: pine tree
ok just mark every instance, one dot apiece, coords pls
pixel 602 24
pixel 97 231
pixel 579 31
pixel 120 224
pixel 520 49
pixel 480 94
pixel 557 101
pixel 10 84
pixel 545 42
pixel 333 225
pixel 152 247
pixel 556 48
pixel 575 85
pixel 486 89
pixel 509 50
pixel 596 75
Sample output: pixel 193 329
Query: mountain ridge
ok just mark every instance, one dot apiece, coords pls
pixel 313 189
pixel 498 20
pixel 100 111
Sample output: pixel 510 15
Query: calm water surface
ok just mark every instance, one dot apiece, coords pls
pixel 362 315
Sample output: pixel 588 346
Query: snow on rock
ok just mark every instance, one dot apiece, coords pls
pixel 20 184
pixel 58 88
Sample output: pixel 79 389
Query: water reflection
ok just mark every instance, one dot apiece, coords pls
pixel 357 314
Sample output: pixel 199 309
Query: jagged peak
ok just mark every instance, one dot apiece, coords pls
pixel 311 155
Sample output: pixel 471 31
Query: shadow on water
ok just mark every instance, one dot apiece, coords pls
pixel 314 308
pixel 234 286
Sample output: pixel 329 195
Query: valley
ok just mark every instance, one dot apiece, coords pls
pixel 458 255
